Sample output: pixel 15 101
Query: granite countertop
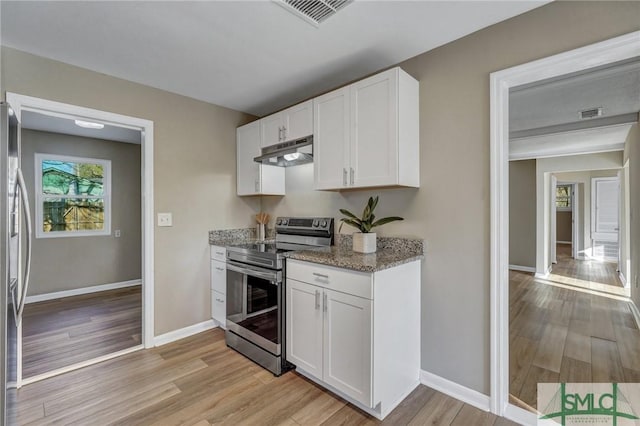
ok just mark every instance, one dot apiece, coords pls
pixel 228 237
pixel 391 252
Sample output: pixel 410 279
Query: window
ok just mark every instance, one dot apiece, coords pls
pixel 563 197
pixel 73 196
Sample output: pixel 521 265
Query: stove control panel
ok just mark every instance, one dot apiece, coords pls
pixel 304 223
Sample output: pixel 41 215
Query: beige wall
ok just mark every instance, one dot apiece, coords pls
pixel 563 227
pixel 194 171
pixel 195 151
pixel 452 213
pixel 632 155
pixel 71 263
pixel 522 213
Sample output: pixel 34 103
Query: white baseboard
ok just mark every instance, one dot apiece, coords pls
pixel 522 268
pixel 79 291
pixel 181 333
pixel 454 390
pixel 564 242
pixel 635 312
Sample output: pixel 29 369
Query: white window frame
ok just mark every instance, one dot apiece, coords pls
pixel 40 196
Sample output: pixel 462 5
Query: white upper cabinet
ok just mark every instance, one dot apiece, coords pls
pixel 382 142
pixel 331 126
pixel 292 123
pixel 254 178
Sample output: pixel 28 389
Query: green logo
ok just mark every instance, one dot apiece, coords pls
pixel 603 407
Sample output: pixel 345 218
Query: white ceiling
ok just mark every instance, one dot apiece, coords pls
pixel 553 105
pixel 48 123
pixel 252 56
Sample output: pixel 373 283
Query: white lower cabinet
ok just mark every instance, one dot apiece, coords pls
pixel 334 337
pixel 218 285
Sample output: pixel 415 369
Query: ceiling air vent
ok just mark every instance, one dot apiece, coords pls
pixel 314 11
pixel 590 113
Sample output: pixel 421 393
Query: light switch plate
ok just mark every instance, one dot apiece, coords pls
pixel 165 219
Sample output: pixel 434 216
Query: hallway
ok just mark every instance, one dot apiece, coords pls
pixel 573 326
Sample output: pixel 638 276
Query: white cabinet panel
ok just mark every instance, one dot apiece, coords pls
pixel 219 253
pixel 219 308
pixel 254 178
pixel 298 121
pixel 347 345
pixel 367 134
pixel 374 135
pixel 271 129
pixel 304 329
pixel 219 276
pixel 331 140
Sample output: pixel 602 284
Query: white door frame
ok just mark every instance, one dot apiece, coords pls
pixel 612 50
pixel 21 103
pixel 554 220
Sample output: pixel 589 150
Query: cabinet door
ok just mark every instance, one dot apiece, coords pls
pixel 219 276
pixel 219 308
pixel 298 121
pixel 304 327
pixel 271 130
pixel 374 133
pixel 331 140
pixel 347 345
pixel 248 147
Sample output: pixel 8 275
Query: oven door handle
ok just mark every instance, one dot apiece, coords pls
pixel 271 276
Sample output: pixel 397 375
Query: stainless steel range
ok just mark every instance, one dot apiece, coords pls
pixel 255 289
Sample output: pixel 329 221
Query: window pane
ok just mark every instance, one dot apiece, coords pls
pixel 71 178
pixel 72 214
pixel 563 196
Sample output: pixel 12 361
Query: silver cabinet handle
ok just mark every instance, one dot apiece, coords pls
pixel 219 300
pixel 324 305
pixel 317 300
pixel 284 133
pixel 219 253
pixel 344 177
pixel 326 277
pixel 280 134
pixel 352 173
pixel 19 304
pixel 219 269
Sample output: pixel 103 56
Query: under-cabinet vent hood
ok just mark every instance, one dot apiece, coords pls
pixel 286 154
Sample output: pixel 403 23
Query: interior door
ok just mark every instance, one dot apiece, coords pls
pixel 605 196
pixel 605 209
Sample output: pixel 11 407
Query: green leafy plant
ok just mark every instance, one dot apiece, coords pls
pixel 367 221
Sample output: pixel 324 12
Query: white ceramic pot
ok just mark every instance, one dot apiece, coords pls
pixel 364 242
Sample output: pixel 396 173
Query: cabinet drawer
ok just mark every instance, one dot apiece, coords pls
pixel 349 282
pixel 218 308
pixel 219 276
pixel 219 253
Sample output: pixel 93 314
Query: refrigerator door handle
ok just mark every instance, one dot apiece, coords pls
pixel 27 271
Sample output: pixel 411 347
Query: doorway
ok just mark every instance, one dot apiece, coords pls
pixel 27 105
pixel 601 54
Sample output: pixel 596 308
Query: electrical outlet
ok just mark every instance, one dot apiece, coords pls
pixel 116 233
pixel 165 219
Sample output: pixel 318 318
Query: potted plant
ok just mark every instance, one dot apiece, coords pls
pixel 365 240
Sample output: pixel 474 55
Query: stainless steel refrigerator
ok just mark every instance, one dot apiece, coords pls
pixel 15 258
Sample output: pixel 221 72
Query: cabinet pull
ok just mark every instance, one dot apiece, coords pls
pixel 317 300
pixel 219 300
pixel 280 134
pixel 326 277
pixel 284 133
pixel 344 177
pixel 219 253
pixel 219 269
pixel 352 173
pixel 324 305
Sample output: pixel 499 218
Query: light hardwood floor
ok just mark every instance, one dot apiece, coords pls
pixel 199 381
pixel 569 333
pixel 62 332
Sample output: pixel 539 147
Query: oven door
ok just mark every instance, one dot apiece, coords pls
pixel 253 304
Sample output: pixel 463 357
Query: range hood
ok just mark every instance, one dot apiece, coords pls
pixel 286 154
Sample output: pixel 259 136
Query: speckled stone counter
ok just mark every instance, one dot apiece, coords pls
pixel 226 237
pixel 391 252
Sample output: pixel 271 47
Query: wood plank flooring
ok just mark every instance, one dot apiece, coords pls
pixel 62 332
pixel 569 333
pixel 199 381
